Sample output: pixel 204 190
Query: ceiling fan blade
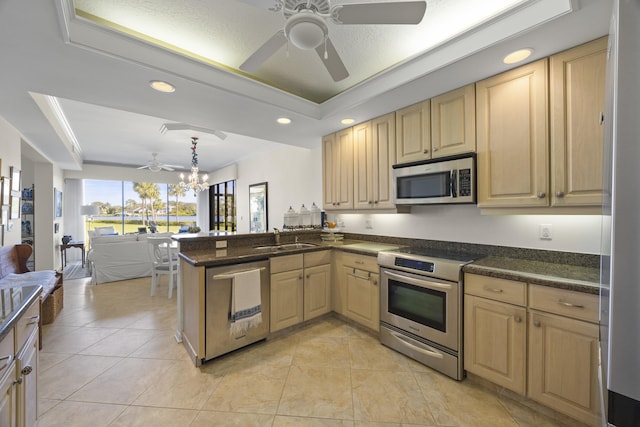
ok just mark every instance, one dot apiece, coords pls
pixel 263 53
pixel 332 62
pixel 220 134
pixel 143 167
pixel 403 12
pixel 167 168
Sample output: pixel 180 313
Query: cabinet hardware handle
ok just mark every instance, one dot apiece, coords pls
pixel 359 262
pixel 8 358
pixel 496 290
pixel 33 320
pixel 357 276
pixel 375 282
pixel 518 319
pixel 536 323
pixel 425 151
pixel 601 118
pixel 541 195
pixel 26 370
pixel 370 202
pixel 568 304
pixel 435 149
pixel 308 275
pixel 559 193
pixel 300 277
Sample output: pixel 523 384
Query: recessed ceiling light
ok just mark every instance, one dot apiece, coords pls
pixel 517 56
pixel 284 120
pixel 162 86
pixel 347 121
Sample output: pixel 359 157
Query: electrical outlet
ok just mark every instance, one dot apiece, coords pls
pixel 368 223
pixel 545 232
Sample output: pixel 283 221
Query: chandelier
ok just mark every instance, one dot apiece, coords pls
pixel 193 180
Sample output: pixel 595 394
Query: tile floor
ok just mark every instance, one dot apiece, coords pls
pixel 110 359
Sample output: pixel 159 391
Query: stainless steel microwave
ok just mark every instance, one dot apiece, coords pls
pixel 437 181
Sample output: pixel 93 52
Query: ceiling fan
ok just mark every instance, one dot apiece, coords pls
pixel 306 27
pixel 155 166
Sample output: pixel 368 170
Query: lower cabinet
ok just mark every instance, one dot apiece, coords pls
pixel 300 288
pixel 358 291
pixel 27 383
pixel 8 405
pixel 538 341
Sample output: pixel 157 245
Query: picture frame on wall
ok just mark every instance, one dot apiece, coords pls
pixel 15 179
pixel 15 208
pixel 57 200
pixel 4 219
pixel 6 191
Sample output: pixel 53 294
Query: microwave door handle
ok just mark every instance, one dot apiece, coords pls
pixel 454 179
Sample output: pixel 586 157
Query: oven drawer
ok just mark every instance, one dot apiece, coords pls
pixel 564 302
pixel 509 291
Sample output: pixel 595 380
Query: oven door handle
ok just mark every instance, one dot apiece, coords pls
pixel 427 351
pixel 412 281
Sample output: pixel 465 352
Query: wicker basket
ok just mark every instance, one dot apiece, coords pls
pixel 52 305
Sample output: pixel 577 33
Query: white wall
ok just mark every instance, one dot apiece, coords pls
pixel 10 155
pixel 293 175
pixel 464 223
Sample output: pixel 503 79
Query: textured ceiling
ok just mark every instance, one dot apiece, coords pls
pixel 228 33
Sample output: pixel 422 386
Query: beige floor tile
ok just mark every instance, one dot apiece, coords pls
pixel 283 421
pixel 120 343
pixel 525 417
pixel 388 396
pixel 244 389
pixel 231 419
pixel 162 345
pixel 323 352
pixel 124 382
pixel 461 403
pixel 140 416
pixel 80 414
pixel 47 360
pixel 366 353
pixel 317 392
pixel 76 340
pixel 273 352
pixel 181 386
pixel 71 374
pixel 44 405
pixel 325 327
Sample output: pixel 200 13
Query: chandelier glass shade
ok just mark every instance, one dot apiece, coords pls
pixel 193 181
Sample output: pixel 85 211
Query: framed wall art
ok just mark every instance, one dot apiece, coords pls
pixel 57 200
pixel 6 191
pixel 15 179
pixel 258 210
pixel 15 208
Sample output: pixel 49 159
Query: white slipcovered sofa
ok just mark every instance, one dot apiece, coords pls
pixel 121 257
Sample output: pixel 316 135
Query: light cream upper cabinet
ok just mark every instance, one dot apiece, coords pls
pixel 577 80
pixel 374 154
pixel 413 133
pixel 453 122
pixel 495 339
pixel 512 138
pixel 337 155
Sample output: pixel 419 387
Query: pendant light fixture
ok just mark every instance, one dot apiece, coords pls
pixel 193 180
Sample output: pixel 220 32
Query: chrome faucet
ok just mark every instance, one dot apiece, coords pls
pixel 276 233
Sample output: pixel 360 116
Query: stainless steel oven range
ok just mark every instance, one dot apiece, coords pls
pixel 421 306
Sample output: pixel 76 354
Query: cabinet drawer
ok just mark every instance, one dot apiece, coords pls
pixel 361 262
pixel 565 303
pixel 311 259
pixel 7 350
pixel 27 324
pixel 286 263
pixel 510 291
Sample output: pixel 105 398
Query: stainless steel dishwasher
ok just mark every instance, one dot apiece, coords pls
pixel 218 339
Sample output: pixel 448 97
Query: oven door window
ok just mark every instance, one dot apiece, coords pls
pixel 424 186
pixel 422 305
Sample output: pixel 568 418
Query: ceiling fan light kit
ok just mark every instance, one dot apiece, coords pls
pixel 306 30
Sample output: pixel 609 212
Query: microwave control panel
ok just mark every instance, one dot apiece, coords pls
pixel 465 182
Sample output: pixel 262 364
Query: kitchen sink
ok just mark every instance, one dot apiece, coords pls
pixel 283 247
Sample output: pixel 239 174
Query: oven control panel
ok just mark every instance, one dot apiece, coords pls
pixel 414 264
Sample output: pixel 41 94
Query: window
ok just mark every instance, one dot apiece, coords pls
pixel 128 206
pixel 222 208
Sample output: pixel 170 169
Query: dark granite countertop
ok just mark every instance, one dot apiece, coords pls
pixel 238 254
pixel 14 302
pixel 563 276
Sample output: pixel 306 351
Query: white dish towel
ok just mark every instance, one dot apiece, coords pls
pixel 246 304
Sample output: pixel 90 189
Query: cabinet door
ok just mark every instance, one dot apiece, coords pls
pixel 362 297
pixel 363 176
pixel 512 137
pixel 577 79
pixel 317 291
pixel 383 136
pixel 328 172
pixel 495 342
pixel 343 178
pixel 453 122
pixel 563 365
pixel 413 133
pixel 286 299
pixel 27 383
pixel 8 395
